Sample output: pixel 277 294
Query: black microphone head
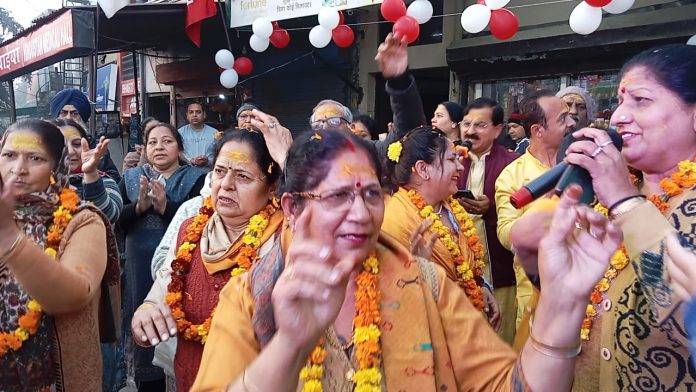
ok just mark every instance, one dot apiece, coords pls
pixel 466 144
pixel 568 139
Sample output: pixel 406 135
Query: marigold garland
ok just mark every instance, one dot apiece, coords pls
pixel 366 336
pixel 28 323
pixel 184 255
pixel 683 178
pixel 470 273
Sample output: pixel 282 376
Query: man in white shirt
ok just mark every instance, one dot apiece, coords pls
pixel 199 139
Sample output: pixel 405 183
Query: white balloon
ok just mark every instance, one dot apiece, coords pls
pixel 224 59
pixel 262 27
pixel 692 40
pixel 496 4
pixel 229 78
pixel 258 44
pixel 618 6
pixel 329 18
pixel 319 36
pixel 420 10
pixel 475 18
pixel 585 19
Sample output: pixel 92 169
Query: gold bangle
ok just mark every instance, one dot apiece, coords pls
pixel 625 207
pixel 13 248
pixel 558 352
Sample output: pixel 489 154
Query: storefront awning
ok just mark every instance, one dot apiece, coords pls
pixel 69 33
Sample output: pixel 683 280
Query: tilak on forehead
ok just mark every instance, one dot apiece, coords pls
pixel 355 170
pixel 476 116
pixel 22 141
pixel 574 96
pixel 238 156
pixel 327 111
pixel 71 133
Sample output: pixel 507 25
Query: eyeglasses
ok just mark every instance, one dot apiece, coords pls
pixel 342 199
pixel 477 125
pixel 331 121
pixel 240 177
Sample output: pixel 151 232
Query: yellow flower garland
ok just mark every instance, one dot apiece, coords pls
pixel 366 336
pixel 28 323
pixel 471 273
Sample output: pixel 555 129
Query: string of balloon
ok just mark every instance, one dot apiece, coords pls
pixel 434 16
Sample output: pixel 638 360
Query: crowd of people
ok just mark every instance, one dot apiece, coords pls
pixel 251 260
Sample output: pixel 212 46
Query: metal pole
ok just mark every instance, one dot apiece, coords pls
pixel 143 91
pixel 13 110
pixel 135 72
pixel 221 11
pixel 93 74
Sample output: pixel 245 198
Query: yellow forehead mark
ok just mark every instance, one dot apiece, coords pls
pixel 71 133
pixel 238 156
pixel 20 142
pixel 327 111
pixel 350 170
pixel 473 117
pixel 573 97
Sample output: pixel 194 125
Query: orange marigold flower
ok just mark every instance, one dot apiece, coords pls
pixel 596 296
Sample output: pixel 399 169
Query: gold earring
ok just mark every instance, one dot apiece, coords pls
pixel 52 180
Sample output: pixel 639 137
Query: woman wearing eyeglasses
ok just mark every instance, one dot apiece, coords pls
pixel 423 215
pixel 337 305
pixel 235 225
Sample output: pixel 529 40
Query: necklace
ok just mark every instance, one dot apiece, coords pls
pixel 28 323
pixel 683 178
pixel 365 336
pixel 181 266
pixel 470 272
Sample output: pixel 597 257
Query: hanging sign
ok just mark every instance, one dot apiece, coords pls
pixel 244 12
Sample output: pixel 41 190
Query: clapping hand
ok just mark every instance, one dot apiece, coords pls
pixel 681 267
pixel 144 201
pixel 159 196
pixel 575 252
pixel 152 322
pixel 92 157
pixel 420 246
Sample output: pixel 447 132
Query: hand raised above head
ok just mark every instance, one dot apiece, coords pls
pixel 392 55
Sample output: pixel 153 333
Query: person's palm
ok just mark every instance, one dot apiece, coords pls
pixel 572 260
pixel 392 56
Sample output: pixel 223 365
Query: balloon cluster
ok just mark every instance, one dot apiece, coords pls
pixel 331 26
pixel 407 20
pixel 587 16
pixel 502 22
pixel 232 67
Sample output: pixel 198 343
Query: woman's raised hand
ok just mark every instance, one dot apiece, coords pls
pixel 159 196
pixel 575 252
pixel 152 323
pixel 310 292
pixel 92 157
pixel 420 246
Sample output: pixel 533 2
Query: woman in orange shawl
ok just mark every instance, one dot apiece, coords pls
pixel 424 169
pixel 223 240
pixel 341 306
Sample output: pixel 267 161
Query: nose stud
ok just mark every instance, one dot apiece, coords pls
pixel 622 118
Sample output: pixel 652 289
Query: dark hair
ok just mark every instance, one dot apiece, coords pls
pixel 497 115
pixel 309 158
pixel 674 67
pixel 370 124
pixel 65 122
pixel 420 144
pixel 532 113
pixel 49 133
pixel 254 138
pixel 146 121
pixel 455 111
pixel 175 134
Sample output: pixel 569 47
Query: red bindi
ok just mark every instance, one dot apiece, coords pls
pixel 623 90
pixel 357 184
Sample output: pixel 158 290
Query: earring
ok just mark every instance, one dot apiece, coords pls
pixel 52 179
pixel 292 228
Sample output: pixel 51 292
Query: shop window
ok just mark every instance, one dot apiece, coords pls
pixel 509 93
pixel 430 33
pixel 603 88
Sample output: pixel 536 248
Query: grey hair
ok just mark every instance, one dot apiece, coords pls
pixel 347 113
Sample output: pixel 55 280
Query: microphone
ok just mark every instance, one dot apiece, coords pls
pixel 463 147
pixel 561 176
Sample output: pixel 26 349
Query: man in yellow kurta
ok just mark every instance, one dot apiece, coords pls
pixel 546 117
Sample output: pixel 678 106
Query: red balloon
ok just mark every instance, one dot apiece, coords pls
pixel 280 38
pixel 598 3
pixel 341 19
pixel 503 23
pixel 221 70
pixel 243 65
pixel 407 26
pixel 392 10
pixel 343 36
pixel 481 2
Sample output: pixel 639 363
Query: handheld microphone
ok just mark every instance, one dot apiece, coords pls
pixel 561 176
pixel 463 147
